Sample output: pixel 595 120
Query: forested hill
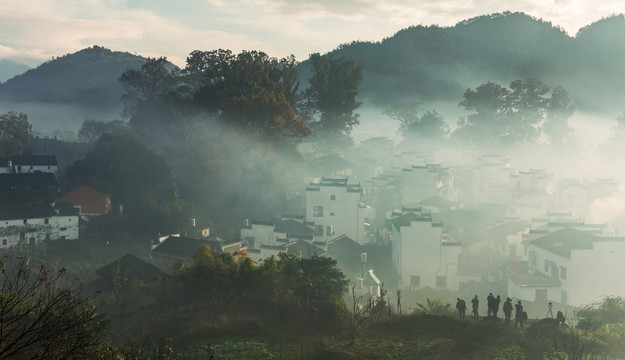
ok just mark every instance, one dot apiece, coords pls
pixel 88 78
pixel 426 63
pixel 440 63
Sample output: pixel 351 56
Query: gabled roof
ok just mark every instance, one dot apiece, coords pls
pixel 302 249
pixel 13 183
pixel 183 247
pixel 28 160
pixel 344 246
pixel 561 242
pixel 407 219
pixel 26 211
pixel 294 228
pixel 95 183
pixel 507 228
pixel 131 267
pixel 66 209
pixel 347 254
pixel 437 201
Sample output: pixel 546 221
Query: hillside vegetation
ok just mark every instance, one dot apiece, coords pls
pixel 88 78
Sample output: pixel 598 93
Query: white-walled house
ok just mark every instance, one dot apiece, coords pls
pixel 422 182
pixel 266 238
pixel 338 207
pixel 32 223
pixel 421 254
pixel 490 180
pixel 28 164
pixel 530 193
pixel 570 266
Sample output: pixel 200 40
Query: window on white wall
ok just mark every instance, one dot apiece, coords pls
pixel 562 273
pixel 415 280
pixel 317 211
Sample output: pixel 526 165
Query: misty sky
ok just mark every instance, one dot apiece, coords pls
pixel 33 31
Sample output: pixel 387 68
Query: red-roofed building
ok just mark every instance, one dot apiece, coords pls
pixel 90 197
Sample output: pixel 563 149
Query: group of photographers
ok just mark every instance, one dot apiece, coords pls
pixel 520 316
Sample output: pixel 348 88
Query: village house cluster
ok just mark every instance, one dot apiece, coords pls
pixel 426 220
pixel 33 208
pixel 405 218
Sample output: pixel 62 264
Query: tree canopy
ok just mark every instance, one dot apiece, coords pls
pixel 522 114
pixel 249 91
pixel 15 134
pixel 332 95
pixel 429 125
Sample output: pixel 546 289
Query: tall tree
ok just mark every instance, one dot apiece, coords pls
pixel 528 109
pixel 559 110
pixel 156 77
pixel 524 114
pixel 489 105
pixel 249 91
pixel 91 130
pixel 332 95
pixel 15 134
pixel 429 125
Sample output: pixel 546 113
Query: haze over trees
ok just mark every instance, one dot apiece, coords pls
pixel 429 125
pixel 519 115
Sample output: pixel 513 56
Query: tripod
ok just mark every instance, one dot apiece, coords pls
pixel 550 312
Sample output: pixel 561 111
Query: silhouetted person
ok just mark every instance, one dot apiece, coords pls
pixel 507 310
pixel 518 314
pixel 560 318
pixel 496 303
pixel 462 307
pixel 490 301
pixel 475 302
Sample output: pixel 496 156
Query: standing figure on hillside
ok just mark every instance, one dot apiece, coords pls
pixel 462 307
pixel 496 303
pixel 507 310
pixel 475 303
pixel 490 300
pixel 518 314
pixel 560 318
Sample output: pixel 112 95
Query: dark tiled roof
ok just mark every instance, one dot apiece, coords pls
pixel 302 249
pixel 405 220
pixel 17 183
pixel 294 229
pixel 536 279
pixel 66 209
pixel 184 247
pixel 344 246
pixel 27 160
pixel 561 242
pixel 437 201
pixel 132 267
pixel 26 211
pixel 506 228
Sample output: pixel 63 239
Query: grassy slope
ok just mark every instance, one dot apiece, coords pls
pixel 427 337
